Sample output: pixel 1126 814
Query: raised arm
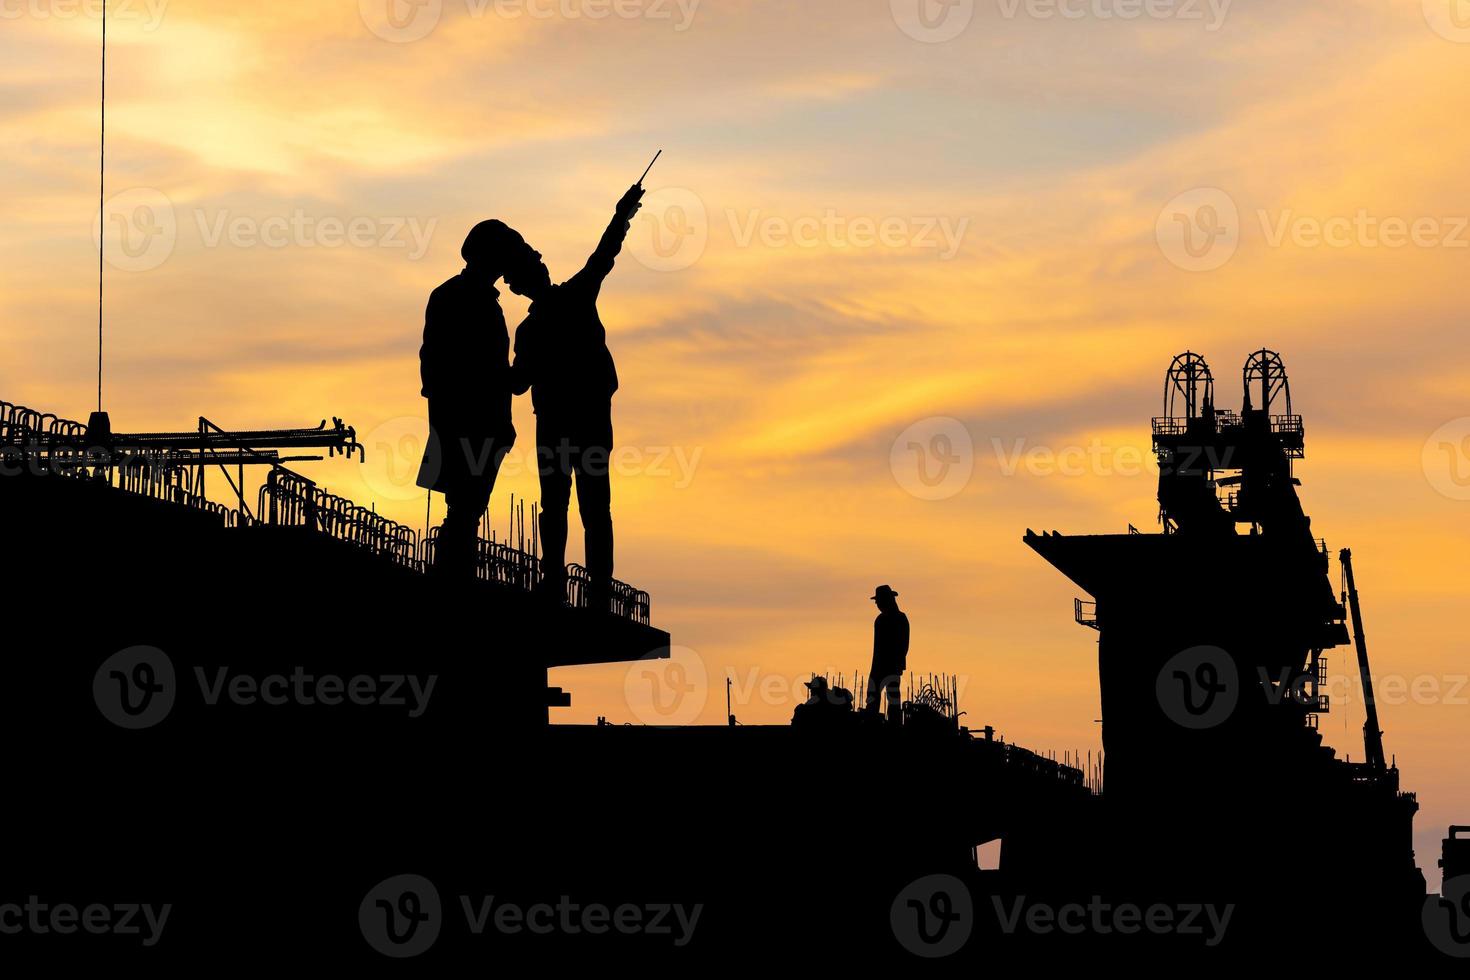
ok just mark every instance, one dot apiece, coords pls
pixel 601 262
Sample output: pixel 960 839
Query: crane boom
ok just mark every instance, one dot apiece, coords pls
pixel 1372 734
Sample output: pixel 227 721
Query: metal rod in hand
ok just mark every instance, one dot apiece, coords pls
pixel 650 165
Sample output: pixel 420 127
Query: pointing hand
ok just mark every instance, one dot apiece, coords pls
pixel 630 202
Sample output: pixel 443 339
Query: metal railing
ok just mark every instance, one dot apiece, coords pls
pixel 169 468
pixel 1165 425
pixel 1034 763
pixel 20 425
pixel 1085 613
pixel 288 499
pixel 623 600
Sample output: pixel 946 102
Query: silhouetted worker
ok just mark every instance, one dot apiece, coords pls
pixel 561 355
pixel 890 653
pixel 466 378
pixel 825 706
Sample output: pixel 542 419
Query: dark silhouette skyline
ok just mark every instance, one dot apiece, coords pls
pixel 333 778
pixel 260 725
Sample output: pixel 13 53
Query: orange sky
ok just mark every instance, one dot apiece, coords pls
pixel 856 229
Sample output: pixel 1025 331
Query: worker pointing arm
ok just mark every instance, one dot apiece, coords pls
pixel 601 262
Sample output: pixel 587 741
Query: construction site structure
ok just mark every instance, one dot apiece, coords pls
pixel 1214 784
pixel 1211 642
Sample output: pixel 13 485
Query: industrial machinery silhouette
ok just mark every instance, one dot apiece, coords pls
pixel 1214 785
pixel 1211 637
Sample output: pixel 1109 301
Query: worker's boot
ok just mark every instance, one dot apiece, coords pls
pixel 552 589
pixel 454 557
pixel 553 584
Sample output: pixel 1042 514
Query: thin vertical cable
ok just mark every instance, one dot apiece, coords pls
pixel 101 204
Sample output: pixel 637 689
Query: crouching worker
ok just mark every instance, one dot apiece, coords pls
pixel 825 706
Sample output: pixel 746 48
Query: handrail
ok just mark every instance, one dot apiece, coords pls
pixel 163 466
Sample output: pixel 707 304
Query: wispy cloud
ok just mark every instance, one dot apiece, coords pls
pixel 824 154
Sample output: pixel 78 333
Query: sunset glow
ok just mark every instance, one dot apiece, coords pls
pixel 854 233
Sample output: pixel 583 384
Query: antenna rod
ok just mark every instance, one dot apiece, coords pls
pixel 101 204
pixel 650 164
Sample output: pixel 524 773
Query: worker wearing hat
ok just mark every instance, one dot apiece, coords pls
pixel 890 653
pixel 465 370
